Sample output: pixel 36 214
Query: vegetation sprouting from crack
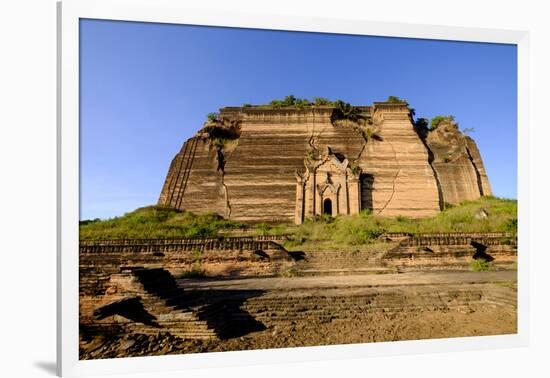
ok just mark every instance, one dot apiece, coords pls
pixel 368 133
pixel 219 131
pixel 312 153
pixel 345 111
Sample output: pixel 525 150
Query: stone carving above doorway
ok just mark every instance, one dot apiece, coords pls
pixel 327 183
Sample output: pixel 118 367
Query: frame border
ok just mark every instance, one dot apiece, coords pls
pixel 69 12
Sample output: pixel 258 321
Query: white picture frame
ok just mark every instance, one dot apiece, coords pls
pixel 173 11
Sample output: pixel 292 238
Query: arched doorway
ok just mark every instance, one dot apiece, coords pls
pixel 327 206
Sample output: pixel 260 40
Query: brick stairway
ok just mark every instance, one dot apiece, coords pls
pixel 176 311
pixel 163 306
pixel 314 263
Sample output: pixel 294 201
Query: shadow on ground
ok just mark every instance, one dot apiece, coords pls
pixel 220 309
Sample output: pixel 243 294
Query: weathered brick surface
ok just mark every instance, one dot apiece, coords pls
pixel 458 164
pixel 400 173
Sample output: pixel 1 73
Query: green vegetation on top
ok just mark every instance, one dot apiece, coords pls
pixel 155 222
pixel 434 123
pixel 396 100
pixel 213 117
pixel 297 102
pixel 290 101
pixel 220 130
pixel 342 110
pixel 423 127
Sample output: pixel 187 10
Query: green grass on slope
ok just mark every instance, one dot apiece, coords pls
pixel 365 227
pixel 360 229
pixel 155 222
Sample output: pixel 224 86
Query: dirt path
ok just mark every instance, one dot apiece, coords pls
pixel 372 280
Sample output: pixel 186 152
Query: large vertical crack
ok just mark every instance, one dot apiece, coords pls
pixel 367 134
pixel 436 176
pixel 478 175
pixel 365 141
pixel 221 168
pixel 394 179
pixel 313 139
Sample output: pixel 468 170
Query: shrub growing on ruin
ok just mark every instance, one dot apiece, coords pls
pixel 263 228
pixel 422 127
pixel 213 117
pixel 434 123
pixel 396 100
pixel 511 225
pixel 346 111
pixel 290 101
pixel 312 154
pixel 355 169
pixel 197 270
pixel 321 101
pixel 370 133
pixel 480 265
pixel 193 273
pixel 287 273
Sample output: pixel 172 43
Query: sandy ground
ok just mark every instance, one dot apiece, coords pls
pixel 480 321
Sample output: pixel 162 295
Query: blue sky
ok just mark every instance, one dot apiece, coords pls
pixel 145 88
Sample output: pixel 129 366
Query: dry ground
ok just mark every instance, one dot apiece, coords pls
pixel 421 323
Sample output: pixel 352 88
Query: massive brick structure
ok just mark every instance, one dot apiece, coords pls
pixel 258 163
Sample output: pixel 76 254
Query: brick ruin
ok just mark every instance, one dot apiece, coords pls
pixel 288 164
pixel 259 164
pixel 133 300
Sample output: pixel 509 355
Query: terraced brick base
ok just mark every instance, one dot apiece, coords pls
pixel 304 311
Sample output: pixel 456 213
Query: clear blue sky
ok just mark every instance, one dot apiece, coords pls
pixel 145 88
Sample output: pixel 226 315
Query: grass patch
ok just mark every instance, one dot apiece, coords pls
pixel 153 222
pixel 263 228
pixel 434 123
pixel 365 227
pixel 197 271
pixel 292 272
pixel 342 231
pixel 193 273
pixel 480 265
pixel 502 217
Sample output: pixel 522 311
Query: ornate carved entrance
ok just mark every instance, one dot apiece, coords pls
pixel 328 185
